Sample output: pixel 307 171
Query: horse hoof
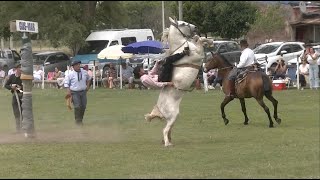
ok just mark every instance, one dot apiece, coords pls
pixel 168 145
pixel 245 123
pixel 147 117
pixel 278 120
pixel 271 126
pixel 226 122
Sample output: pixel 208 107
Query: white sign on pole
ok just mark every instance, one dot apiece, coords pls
pixel 27 26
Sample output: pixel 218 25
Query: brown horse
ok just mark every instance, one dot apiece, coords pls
pixel 255 84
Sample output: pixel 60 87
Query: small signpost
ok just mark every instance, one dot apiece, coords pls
pixel 26 72
pixel 24 26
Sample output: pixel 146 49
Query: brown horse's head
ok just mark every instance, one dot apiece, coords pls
pixel 216 61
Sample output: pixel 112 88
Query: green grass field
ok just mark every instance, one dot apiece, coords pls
pixel 116 142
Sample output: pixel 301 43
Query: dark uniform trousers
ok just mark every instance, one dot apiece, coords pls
pixel 16 112
pixel 79 99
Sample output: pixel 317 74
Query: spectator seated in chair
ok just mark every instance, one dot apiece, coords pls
pixel 58 76
pixel 280 70
pixel 38 73
pixel 127 75
pixel 112 76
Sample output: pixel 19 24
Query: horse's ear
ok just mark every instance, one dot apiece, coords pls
pixel 171 20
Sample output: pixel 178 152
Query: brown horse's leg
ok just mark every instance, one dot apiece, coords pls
pixel 275 107
pixel 226 100
pixel 244 110
pixel 266 109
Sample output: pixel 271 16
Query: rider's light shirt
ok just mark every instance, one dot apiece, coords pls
pixel 246 58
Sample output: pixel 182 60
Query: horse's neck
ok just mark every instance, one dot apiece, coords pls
pixel 223 73
pixel 175 45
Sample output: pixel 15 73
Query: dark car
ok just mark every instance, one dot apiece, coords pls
pixel 50 60
pixel 229 49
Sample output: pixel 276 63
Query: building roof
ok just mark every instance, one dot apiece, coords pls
pixel 302 22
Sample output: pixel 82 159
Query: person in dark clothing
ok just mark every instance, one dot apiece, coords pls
pixel 14 84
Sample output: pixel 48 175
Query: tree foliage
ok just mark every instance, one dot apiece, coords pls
pixel 228 19
pixel 269 20
pixel 68 23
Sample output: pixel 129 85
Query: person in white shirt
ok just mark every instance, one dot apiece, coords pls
pixel 127 75
pixel 303 73
pixel 311 56
pixel 2 73
pixel 66 73
pixel 246 59
pixel 37 73
pixel 2 76
pixel 11 71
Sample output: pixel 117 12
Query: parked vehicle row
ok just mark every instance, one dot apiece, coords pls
pixel 50 60
pixel 8 58
pixel 275 50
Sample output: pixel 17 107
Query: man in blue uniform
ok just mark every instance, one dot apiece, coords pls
pixel 77 84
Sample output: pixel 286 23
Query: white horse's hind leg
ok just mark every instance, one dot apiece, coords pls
pixel 167 132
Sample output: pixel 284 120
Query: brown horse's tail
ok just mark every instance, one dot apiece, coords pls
pixel 267 85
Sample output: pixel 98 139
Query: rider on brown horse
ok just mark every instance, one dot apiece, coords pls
pixel 246 60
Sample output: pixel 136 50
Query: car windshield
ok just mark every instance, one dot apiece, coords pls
pixel 266 49
pixel 39 59
pixel 93 47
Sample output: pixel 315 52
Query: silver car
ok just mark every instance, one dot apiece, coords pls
pixel 50 60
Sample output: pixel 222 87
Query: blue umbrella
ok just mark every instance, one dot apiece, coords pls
pixel 144 47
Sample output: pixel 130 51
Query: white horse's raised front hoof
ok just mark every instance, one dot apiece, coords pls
pixel 147 117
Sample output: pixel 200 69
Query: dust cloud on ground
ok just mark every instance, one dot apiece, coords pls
pixel 77 134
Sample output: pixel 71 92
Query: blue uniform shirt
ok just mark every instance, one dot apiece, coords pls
pixel 77 81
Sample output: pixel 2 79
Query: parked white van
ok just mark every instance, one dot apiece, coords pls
pixel 99 40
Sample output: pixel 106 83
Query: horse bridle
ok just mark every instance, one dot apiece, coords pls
pixel 177 26
pixel 186 41
pixel 183 34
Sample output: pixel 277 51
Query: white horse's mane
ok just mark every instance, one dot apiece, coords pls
pixel 165 35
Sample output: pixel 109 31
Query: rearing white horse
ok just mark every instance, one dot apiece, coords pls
pixel 181 34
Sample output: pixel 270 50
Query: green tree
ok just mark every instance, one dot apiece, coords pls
pixel 62 22
pixel 233 18
pixel 144 14
pixel 269 20
pixel 228 19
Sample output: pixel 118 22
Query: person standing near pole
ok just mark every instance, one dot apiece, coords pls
pixel 14 84
pixel 77 84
